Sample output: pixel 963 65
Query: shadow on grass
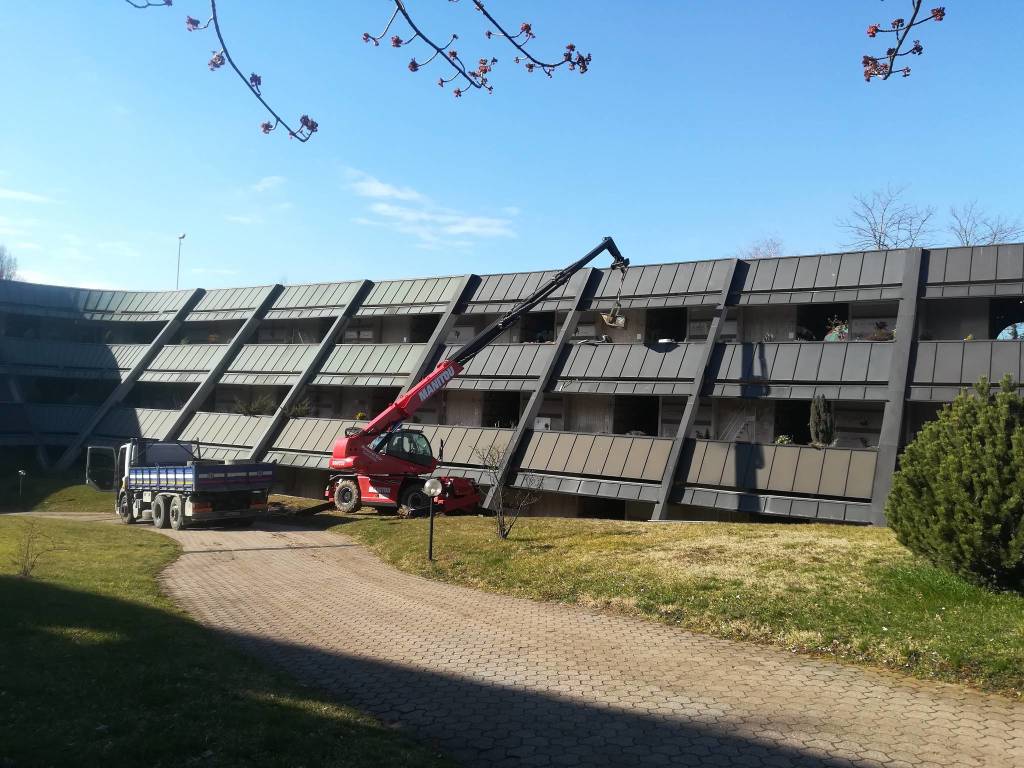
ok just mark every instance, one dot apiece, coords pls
pixel 90 680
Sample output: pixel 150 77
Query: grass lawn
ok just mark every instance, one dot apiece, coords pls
pixel 97 668
pixel 852 594
pixel 52 492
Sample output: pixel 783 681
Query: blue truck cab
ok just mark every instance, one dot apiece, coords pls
pixel 171 484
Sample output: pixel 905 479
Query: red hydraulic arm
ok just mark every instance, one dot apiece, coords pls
pixel 348 449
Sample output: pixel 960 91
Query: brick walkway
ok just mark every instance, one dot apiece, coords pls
pixel 497 681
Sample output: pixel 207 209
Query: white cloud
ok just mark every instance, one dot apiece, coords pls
pixel 511 210
pixel 212 271
pixel 365 185
pixel 434 227
pixel 268 183
pixel 114 248
pixel 22 196
pixel 26 246
pixel 236 219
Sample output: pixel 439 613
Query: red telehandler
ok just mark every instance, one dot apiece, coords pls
pixel 382 463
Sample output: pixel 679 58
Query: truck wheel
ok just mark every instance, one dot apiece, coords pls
pixel 124 509
pixel 414 501
pixel 160 512
pixel 177 514
pixel 346 496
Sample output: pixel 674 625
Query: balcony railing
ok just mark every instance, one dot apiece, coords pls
pixel 660 369
pixel 784 469
pixel 617 457
pixel 34 357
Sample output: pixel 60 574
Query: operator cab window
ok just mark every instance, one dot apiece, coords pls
pixel 408 446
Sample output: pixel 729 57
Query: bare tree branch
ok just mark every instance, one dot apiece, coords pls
pixel 884 67
pixel 765 248
pixel 882 220
pixel 8 265
pixel 971 226
pixel 509 502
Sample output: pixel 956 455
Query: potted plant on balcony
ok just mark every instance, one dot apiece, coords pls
pixel 822 423
pixel 838 330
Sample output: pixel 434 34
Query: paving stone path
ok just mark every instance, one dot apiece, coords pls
pixel 499 681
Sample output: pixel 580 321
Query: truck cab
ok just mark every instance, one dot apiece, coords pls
pixel 171 484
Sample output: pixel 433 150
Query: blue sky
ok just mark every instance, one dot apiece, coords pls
pixel 701 127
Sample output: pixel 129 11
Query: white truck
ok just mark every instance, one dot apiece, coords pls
pixel 170 484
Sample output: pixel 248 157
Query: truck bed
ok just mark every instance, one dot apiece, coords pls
pixel 202 478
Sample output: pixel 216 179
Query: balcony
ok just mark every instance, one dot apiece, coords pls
pixel 640 369
pixel 510 367
pixel 269 364
pixel 25 357
pixel 183 363
pixel 369 365
pixel 851 370
pixel 784 469
pixel 613 466
pixel 943 368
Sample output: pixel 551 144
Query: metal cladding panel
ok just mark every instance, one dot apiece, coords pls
pixel 630 362
pixel 594 464
pixel 657 460
pixel 810 462
pixel 225 428
pixel 977 361
pixel 783 471
pixel 834 472
pixel 135 422
pixel 872 269
pixel 983 264
pixel 578 455
pixel 833 356
pixel 807 362
pixel 807 269
pixel 862 474
pixel 1005 359
pixel 785 274
pixel 683 277
pixel 73 356
pixel 958 265
pixel 849 269
pixel 948 362
pixel 385 359
pixel 924 362
pixel 856 363
pixel 763 274
pixel 28 298
pixel 187 357
pixel 784 368
pixel 295 300
pixel 224 303
pixel 712 466
pixel 1010 262
pixel 272 358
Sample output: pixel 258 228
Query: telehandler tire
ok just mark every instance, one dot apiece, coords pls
pixel 346 496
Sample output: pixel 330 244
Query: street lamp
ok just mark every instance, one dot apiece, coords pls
pixel 177 274
pixel 433 489
pixel 21 480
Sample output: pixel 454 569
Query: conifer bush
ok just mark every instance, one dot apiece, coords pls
pixel 958 496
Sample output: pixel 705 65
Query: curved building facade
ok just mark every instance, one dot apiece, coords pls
pixel 697 408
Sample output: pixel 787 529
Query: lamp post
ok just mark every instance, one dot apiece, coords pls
pixel 433 489
pixel 177 274
pixel 21 479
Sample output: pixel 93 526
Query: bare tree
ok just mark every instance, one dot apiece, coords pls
pixel 972 226
pixel 765 248
pixel 884 67
pixel 509 502
pixel 8 265
pixel 467 76
pixel 883 220
pixel 32 545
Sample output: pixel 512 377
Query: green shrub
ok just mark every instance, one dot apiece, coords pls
pixel 958 497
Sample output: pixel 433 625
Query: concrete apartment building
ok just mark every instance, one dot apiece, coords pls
pixel 675 416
